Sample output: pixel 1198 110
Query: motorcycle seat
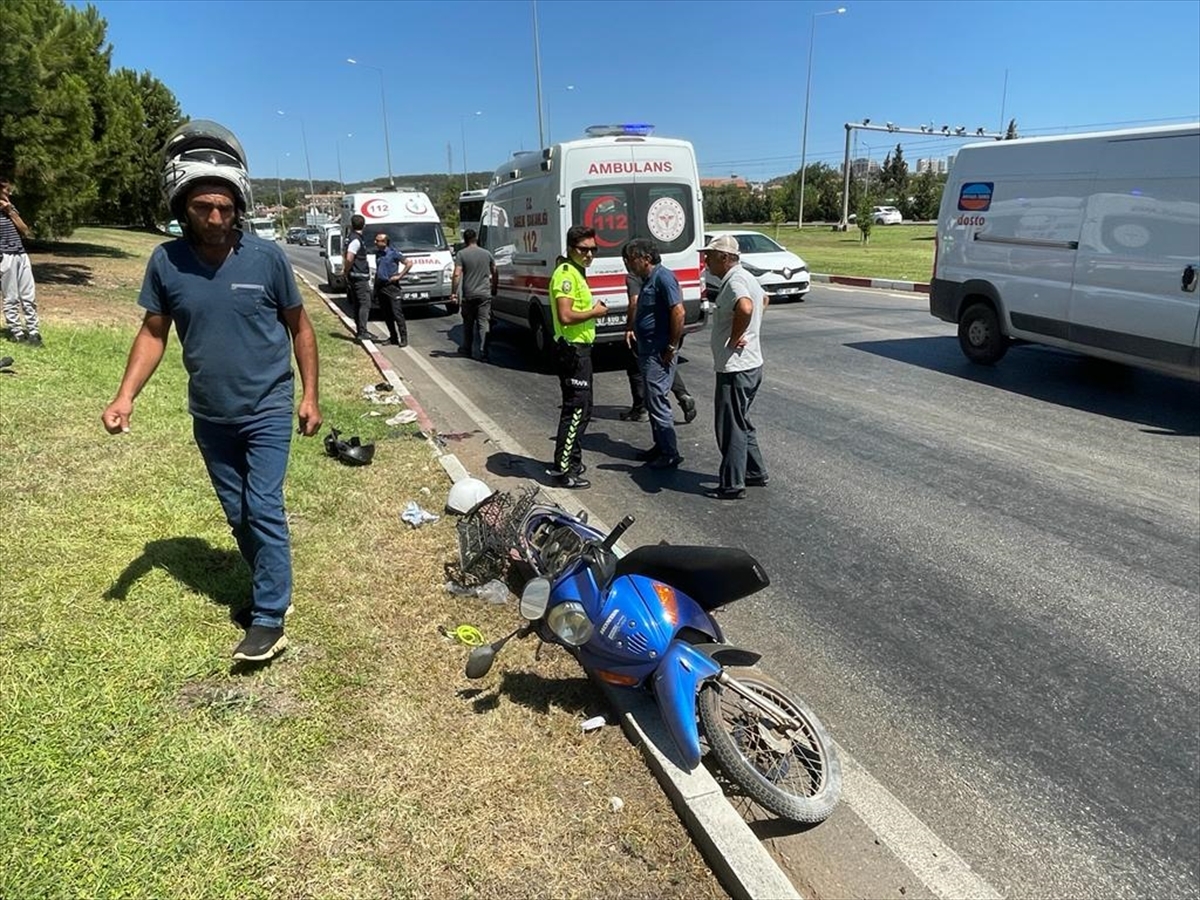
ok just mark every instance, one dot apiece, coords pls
pixel 712 576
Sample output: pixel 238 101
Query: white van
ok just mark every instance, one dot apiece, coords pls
pixel 470 210
pixel 412 223
pixel 1086 242
pixel 620 181
pixel 263 226
pixel 331 251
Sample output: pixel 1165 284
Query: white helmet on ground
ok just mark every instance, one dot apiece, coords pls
pixel 466 494
pixel 202 151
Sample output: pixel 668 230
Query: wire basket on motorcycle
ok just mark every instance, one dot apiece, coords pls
pixel 490 534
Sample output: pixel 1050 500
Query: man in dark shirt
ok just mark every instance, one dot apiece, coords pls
pixel 358 276
pixel 475 274
pixel 234 303
pixel 388 275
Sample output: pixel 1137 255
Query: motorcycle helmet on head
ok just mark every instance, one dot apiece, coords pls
pixel 202 151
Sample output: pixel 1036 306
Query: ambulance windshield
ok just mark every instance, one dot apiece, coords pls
pixel 409 237
pixel 660 211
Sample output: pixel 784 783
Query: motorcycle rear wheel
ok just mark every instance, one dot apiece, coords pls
pixel 798 775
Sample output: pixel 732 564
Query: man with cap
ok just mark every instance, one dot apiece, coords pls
pixel 738 360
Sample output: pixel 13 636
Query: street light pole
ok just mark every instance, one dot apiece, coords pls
pixel 807 97
pixel 462 124
pixel 549 132
pixel 304 138
pixel 387 142
pixel 338 144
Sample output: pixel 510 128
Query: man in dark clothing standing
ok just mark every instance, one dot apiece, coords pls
pixel 358 277
pixel 475 274
pixel 637 386
pixel 658 327
pixel 388 276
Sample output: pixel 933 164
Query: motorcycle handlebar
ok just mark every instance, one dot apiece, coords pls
pixel 615 535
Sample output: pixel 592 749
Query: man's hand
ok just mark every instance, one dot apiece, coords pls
pixel 309 415
pixel 116 416
pixel 600 309
pixel 630 338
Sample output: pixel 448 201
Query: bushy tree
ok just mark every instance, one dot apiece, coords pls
pixel 1011 133
pixel 893 177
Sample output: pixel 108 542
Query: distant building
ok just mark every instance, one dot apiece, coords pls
pixel 860 167
pixel 936 166
pixel 732 181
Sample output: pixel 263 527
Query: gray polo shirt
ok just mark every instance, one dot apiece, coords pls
pixel 476 272
pixel 736 283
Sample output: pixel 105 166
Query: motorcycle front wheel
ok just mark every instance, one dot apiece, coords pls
pixel 787 767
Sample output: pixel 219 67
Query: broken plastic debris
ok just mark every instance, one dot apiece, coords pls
pixel 402 418
pixel 593 724
pixel 415 516
pixel 616 803
pixel 493 592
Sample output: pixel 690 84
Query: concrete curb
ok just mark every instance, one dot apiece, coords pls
pixel 737 857
pixel 885 283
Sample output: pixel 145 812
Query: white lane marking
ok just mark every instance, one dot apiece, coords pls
pixel 933 862
pixel 938 867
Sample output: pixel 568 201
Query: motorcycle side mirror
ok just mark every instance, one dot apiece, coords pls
pixel 535 598
pixel 479 663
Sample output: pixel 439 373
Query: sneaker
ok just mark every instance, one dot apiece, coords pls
pixel 726 494
pixel 261 643
pixel 758 480
pixel 665 462
pixel 648 454
pixel 688 404
pixel 34 339
pixel 244 616
pixel 16 337
pixel 571 482
pixel 634 414
pixel 578 470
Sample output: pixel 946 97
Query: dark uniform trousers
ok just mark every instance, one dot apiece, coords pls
pixel 359 289
pixel 389 298
pixel 575 380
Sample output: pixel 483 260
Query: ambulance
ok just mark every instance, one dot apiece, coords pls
pixel 620 180
pixel 412 223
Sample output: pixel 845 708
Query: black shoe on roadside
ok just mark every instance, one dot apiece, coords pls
pixel 634 414
pixel 648 454
pixel 16 337
pixel 726 494
pixel 260 644
pixel 383 342
pixel 578 470
pixel 34 339
pixel 665 462
pixel 758 481
pixel 688 404
pixel 571 482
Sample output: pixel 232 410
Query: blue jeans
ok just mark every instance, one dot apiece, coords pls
pixel 658 379
pixel 247 463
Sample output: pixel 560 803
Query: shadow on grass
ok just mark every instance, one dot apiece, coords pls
pixel 572 695
pixel 69 250
pixel 218 574
pixel 62 273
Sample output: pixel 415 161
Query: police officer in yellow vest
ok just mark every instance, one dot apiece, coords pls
pixel 574 333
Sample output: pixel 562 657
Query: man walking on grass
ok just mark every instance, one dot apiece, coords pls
pixel 234 301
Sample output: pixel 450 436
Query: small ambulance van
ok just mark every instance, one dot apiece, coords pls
pixel 412 223
pixel 1086 242
pixel 619 180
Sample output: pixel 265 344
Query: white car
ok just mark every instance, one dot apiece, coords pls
pixel 782 274
pixel 886 215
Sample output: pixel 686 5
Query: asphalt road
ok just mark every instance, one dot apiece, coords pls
pixel 985 581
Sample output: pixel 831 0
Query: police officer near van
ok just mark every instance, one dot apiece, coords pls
pixel 358 277
pixel 390 269
pixel 574 313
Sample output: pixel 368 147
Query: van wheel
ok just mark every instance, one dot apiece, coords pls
pixel 980 336
pixel 543 339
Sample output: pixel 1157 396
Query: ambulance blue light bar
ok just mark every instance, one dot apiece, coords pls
pixel 639 129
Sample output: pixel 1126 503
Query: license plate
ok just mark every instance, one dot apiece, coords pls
pixel 611 320
pixel 416 295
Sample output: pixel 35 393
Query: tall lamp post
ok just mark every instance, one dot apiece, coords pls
pixel 462 124
pixel 549 135
pixel 338 146
pixel 304 138
pixel 807 97
pixel 387 145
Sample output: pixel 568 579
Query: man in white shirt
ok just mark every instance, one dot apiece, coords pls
pixel 738 360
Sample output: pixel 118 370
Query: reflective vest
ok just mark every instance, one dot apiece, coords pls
pixel 570 280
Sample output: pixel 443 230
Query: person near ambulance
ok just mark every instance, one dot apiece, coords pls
pixel 390 269
pixel 358 277
pixel 575 315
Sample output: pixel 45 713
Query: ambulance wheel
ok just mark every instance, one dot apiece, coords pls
pixel 543 339
pixel 980 336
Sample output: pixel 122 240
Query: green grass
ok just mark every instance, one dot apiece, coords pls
pixel 902 252
pixel 134 762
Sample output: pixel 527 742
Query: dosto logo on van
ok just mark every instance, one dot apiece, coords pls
pixel 376 208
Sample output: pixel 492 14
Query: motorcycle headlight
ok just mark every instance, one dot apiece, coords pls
pixel 570 622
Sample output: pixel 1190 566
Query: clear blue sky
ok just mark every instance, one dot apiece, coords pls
pixel 728 76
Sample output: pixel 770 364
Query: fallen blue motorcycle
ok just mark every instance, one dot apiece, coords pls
pixel 645 621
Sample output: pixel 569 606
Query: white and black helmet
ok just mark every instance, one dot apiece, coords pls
pixel 198 151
